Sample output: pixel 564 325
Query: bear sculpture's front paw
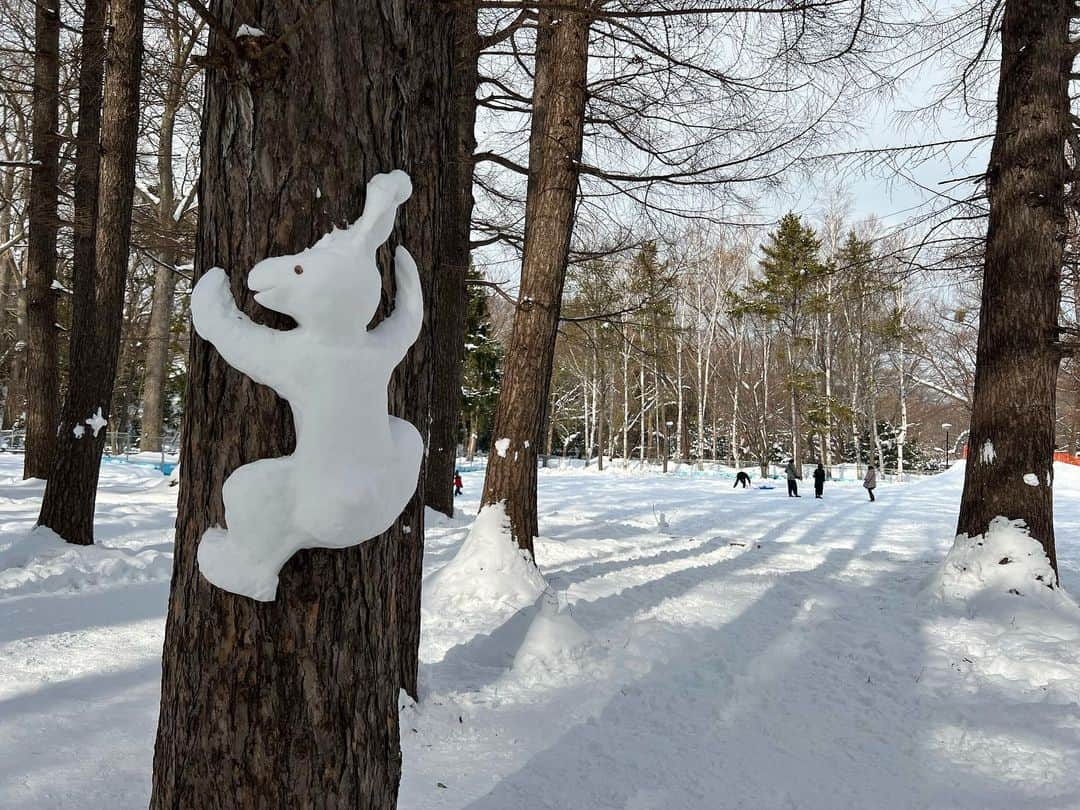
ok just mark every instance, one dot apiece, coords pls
pixel 211 298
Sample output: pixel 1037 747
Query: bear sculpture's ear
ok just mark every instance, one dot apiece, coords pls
pixel 385 192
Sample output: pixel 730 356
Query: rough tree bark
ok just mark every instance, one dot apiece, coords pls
pixel 97 318
pixel 87 176
pixel 42 385
pixel 451 295
pixel 1013 408
pixel 562 55
pixel 294 703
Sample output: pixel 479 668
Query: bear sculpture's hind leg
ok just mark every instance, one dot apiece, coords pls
pixel 261 536
pixel 410 452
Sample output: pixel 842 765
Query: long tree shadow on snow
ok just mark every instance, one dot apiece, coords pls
pixel 797 702
pixel 483 659
pixel 95 704
pixel 565 577
pixel 42 614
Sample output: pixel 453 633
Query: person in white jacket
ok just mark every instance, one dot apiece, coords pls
pixel 870 481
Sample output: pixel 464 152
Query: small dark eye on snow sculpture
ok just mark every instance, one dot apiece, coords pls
pixel 298 270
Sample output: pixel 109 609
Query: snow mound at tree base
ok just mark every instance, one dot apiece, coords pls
pixel 988 572
pixel 489 580
pixel 998 621
pixel 41 562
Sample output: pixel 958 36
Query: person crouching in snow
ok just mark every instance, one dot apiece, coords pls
pixel 792 479
pixel 457 483
pixel 870 481
pixel 819 480
pixel 742 478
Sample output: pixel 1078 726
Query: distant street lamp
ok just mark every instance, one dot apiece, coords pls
pixel 946 426
pixel 667 440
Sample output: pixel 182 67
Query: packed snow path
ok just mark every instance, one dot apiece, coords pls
pixel 761 652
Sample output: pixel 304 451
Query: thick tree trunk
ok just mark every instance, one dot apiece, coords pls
pixel 87 175
pixel 1013 409
pixel 294 703
pixel 451 295
pixel 42 384
pixel 562 55
pixel 97 319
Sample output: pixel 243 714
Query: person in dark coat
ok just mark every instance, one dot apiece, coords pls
pixel 792 480
pixel 742 478
pixel 870 481
pixel 819 480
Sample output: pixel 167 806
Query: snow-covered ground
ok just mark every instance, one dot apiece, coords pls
pixel 760 652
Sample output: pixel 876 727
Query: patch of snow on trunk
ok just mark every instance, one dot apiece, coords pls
pixel 501 446
pixel 1031 479
pixel 987 454
pixel 97 422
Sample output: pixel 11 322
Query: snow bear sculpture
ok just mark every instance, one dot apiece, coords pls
pixel 355 466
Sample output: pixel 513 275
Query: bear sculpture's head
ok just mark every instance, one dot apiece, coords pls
pixel 335 285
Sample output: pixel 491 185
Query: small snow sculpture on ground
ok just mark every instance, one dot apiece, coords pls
pixel 355 467
pixel 554 641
